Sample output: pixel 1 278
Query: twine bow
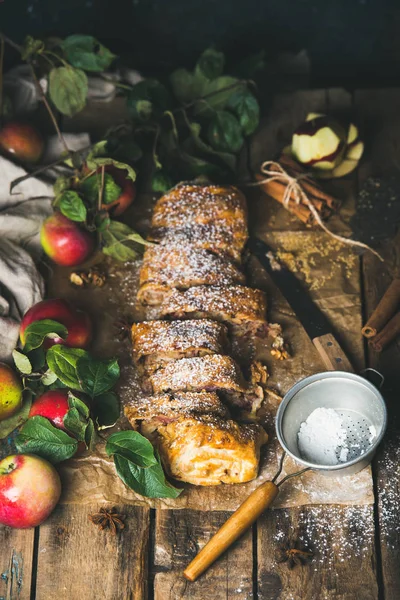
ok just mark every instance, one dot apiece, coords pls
pixel 294 191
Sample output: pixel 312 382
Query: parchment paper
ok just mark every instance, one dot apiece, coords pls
pixel 93 478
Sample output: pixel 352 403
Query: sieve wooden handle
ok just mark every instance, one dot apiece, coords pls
pixel 332 354
pixel 235 526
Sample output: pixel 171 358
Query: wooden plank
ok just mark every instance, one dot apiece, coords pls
pixel 16 556
pixel 379 111
pixel 179 535
pixel 343 565
pixel 78 560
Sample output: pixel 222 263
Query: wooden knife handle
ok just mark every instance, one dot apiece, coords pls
pixel 232 529
pixel 332 354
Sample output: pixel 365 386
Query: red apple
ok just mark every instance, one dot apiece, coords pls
pixel 22 141
pixel 29 490
pixel 128 192
pixel 65 242
pixel 53 405
pixel 10 392
pixel 76 321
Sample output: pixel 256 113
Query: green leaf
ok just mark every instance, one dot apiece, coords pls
pixel 37 358
pixel 48 377
pixel 161 182
pixel 38 436
pixel 76 424
pixel 36 333
pixel 90 435
pixel 123 148
pixel 148 99
pixel 75 402
pixel 247 110
pixel 63 362
pixel 224 132
pixel 85 52
pixel 8 425
pixel 133 446
pixel 31 47
pixel 216 94
pixel 148 482
pixel 119 241
pixel 91 187
pixel 95 162
pixel 195 144
pixel 72 206
pixel 211 63
pixel 187 86
pixel 106 410
pixel 97 376
pixel 68 89
pixel 22 362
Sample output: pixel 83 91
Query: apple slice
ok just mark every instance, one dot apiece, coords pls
pixel 319 143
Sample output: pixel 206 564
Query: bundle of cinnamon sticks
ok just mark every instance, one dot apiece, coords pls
pixel 383 326
pixel 324 203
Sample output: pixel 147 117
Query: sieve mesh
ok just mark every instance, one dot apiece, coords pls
pixel 359 433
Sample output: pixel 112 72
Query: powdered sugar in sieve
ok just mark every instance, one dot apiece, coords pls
pixel 330 437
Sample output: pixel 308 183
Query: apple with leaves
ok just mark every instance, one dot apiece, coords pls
pixel 22 141
pixel 29 490
pixel 10 392
pixel 119 191
pixel 65 241
pixel 54 406
pixel 77 322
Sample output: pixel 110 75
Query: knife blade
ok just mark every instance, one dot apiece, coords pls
pixel 313 320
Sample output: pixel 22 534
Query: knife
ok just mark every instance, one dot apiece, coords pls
pixel 310 316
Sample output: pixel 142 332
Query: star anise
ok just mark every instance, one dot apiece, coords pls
pixel 107 518
pixel 291 553
pixel 123 327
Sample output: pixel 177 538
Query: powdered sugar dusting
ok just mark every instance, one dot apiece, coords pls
pixel 200 373
pixel 228 304
pixel 333 533
pixel 182 266
pixel 215 237
pixel 200 204
pixel 389 493
pixel 164 337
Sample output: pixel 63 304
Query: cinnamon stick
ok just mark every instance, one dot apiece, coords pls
pixel 387 334
pixel 386 308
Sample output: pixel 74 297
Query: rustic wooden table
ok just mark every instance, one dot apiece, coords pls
pixel 356 548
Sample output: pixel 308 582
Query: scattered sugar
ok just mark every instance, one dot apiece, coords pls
pixel 333 533
pixel 322 437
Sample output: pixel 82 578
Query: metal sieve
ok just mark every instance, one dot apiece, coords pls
pixel 356 400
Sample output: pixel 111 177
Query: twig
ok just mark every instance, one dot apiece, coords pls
pixel 101 189
pixel 19 180
pixel 154 150
pixel 16 47
pixel 48 108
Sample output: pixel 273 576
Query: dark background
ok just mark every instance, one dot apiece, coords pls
pixel 350 42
